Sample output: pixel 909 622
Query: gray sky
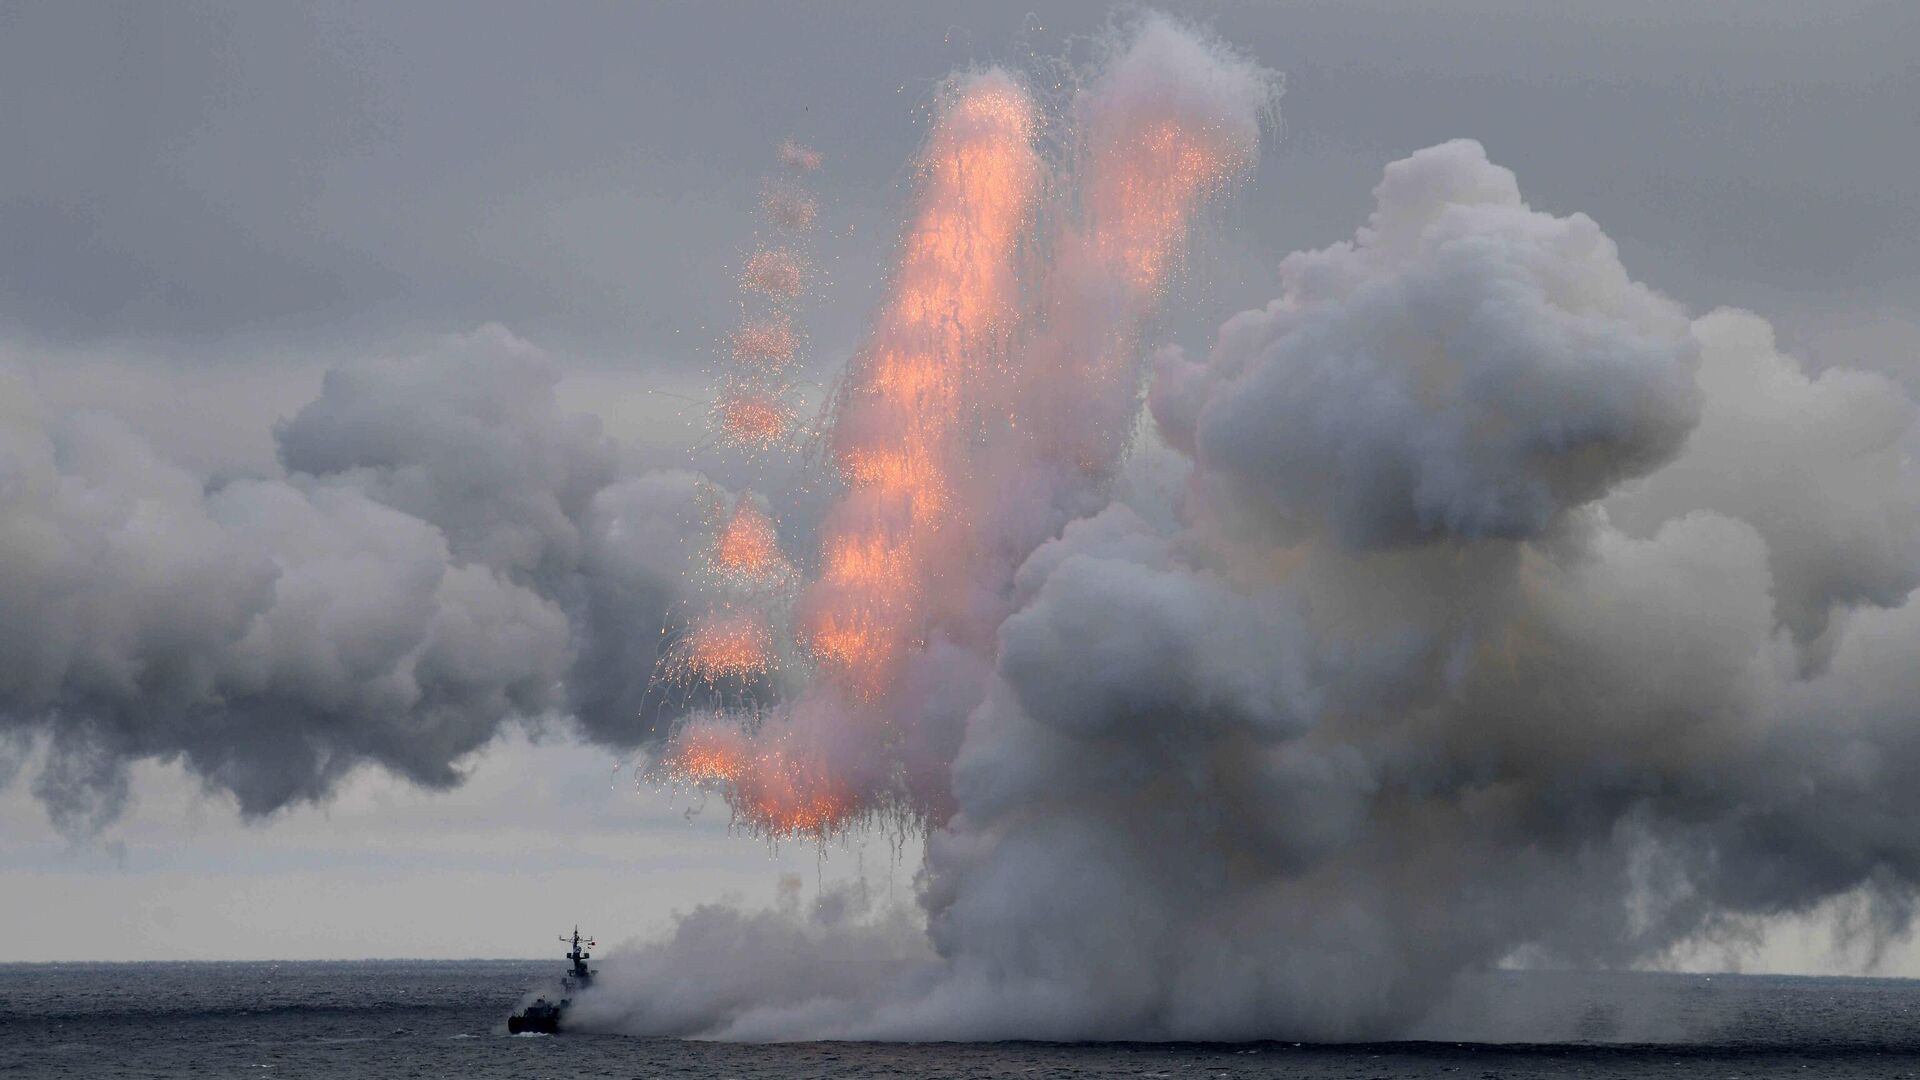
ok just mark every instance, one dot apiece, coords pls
pixel 204 206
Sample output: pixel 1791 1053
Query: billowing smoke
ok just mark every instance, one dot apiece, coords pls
pixel 1504 613
pixel 445 552
pixel 1465 369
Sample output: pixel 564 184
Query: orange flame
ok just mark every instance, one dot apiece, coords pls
pixel 1146 184
pixel 703 760
pixel 952 302
pixel 1146 174
pixel 775 790
pixel 727 645
pixel 748 547
pixel 751 418
pixel 933 371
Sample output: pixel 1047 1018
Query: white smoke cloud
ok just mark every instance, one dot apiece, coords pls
pixel 445 553
pixel 1506 615
pixel 1466 367
pixel 764 973
pixel 1809 462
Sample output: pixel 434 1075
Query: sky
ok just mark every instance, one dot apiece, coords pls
pixel 204 207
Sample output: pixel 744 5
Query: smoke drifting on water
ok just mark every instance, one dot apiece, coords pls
pixel 1505 612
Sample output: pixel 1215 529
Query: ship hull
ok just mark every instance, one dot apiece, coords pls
pixel 533 1025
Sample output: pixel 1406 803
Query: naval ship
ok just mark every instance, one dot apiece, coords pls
pixel 543 1016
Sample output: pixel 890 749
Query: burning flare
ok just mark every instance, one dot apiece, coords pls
pixel 1150 158
pixel 769 344
pixel 726 645
pixel 961 434
pixel 952 304
pixel 747 548
pixel 775 788
pixel 750 417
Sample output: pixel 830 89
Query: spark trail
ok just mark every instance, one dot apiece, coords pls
pixel 732 647
pixel 1469 630
pixel 1162 129
pixel 940 505
pixel 727 645
pixel 952 305
pixel 747 549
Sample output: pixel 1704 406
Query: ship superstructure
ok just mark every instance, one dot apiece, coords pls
pixel 543 1016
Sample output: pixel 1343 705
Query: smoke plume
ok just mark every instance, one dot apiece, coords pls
pixel 444 553
pixel 1504 613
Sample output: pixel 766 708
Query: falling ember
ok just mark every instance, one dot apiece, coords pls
pixel 706 751
pixel 781 794
pixel 749 418
pixel 971 421
pixel 952 302
pixel 788 208
pixel 726 645
pixel 797 157
pixel 697 760
pixel 775 272
pixel 1146 167
pixel 1147 181
pixel 748 548
pixel 775 788
pixel 769 344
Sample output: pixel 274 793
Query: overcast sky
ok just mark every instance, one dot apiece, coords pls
pixel 204 206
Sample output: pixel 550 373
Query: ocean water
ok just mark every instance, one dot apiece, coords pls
pixel 377 1019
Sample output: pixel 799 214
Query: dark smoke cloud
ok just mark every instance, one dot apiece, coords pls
pixel 1504 615
pixel 444 554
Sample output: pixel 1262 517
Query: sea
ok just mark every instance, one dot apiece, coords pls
pixel 379 1019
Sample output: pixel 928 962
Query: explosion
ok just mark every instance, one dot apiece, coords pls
pixel 726 645
pixel 706 754
pixel 753 418
pixel 1469 604
pixel 1152 157
pixel 1479 623
pixel 748 578
pixel 918 536
pixel 896 437
pixel 775 789
pixel 748 547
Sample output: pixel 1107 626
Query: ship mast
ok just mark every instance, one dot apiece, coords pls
pixel 580 975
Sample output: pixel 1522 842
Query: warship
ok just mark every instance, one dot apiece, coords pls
pixel 542 1016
